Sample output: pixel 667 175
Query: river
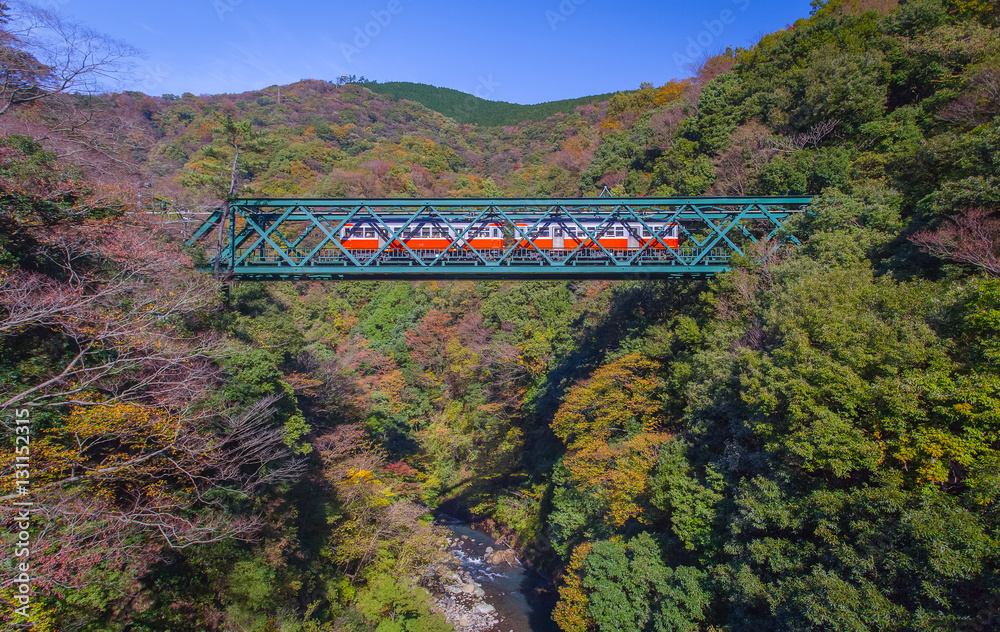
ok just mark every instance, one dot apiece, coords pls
pixel 523 598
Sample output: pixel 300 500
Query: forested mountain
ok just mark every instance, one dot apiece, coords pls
pixel 807 442
pixel 467 108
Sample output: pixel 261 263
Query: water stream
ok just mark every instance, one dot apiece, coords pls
pixel 523 597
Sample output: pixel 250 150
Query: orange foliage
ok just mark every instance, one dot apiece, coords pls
pixel 392 385
pixel 428 343
pixel 302 383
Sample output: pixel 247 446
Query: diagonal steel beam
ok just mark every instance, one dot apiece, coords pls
pixel 264 236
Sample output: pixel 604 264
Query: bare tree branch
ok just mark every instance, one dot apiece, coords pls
pixel 972 237
pixel 44 54
pixel 816 133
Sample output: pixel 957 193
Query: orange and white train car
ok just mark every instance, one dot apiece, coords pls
pixel 423 236
pixel 613 236
pixel 556 235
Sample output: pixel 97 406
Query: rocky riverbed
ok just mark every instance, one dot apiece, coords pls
pixel 489 590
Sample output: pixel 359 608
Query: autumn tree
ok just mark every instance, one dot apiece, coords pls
pixel 102 326
pixel 376 533
pixel 609 424
pixel 45 55
pixel 56 74
pixel 225 163
pixel 971 237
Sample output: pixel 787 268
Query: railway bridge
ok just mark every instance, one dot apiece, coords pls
pixel 501 238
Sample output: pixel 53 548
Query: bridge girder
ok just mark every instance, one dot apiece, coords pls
pixel 269 238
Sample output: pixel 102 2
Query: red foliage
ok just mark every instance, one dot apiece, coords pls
pixel 971 237
pixel 400 469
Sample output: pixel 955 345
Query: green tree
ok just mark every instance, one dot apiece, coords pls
pixel 631 589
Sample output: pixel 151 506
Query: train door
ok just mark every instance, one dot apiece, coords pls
pixel 633 232
pixel 558 238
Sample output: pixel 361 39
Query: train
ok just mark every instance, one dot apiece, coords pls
pixel 433 237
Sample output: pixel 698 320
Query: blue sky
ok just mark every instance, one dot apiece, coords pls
pixel 522 51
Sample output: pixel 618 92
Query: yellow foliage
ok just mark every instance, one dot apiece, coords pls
pixel 41 618
pixel 360 476
pixel 617 400
pixel 671 91
pixel 533 353
pixel 617 473
pixel 571 611
pixel 610 124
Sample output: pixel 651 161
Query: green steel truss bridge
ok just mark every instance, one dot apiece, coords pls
pixel 269 238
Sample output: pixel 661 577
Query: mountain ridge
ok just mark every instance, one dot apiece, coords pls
pixel 468 108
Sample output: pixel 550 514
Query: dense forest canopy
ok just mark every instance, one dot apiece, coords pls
pixel 807 442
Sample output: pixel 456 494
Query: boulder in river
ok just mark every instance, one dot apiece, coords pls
pixel 484 608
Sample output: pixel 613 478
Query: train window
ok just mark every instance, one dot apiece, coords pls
pixel 369 232
pixel 425 232
pixel 619 231
pixel 557 232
